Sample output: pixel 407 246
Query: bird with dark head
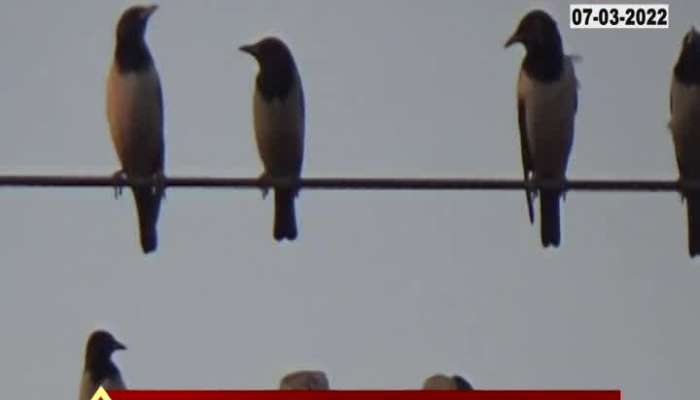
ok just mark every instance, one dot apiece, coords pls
pixel 279 121
pixel 539 34
pixel 135 116
pixel 547 94
pixel 277 68
pixel 131 50
pixel 99 369
pixel 685 129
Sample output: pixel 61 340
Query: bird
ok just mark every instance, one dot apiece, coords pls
pixel 135 117
pixel 547 98
pixel 305 380
pixel 444 382
pixel 685 128
pixel 279 122
pixel 99 369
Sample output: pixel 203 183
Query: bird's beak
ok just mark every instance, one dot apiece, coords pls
pixel 249 48
pixel 119 346
pixel 512 40
pixel 148 11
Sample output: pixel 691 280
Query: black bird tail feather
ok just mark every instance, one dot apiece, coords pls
pixel 285 219
pixel 693 204
pixel 148 207
pixel 549 204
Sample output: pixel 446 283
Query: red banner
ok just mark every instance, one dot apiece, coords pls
pixel 367 395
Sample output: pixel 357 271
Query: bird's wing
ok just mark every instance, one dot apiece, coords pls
pixel 160 161
pixel 526 156
pixel 678 155
pixel 670 99
pixel 677 140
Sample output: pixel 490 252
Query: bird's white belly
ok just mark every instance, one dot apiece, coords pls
pixel 135 118
pixel 550 110
pixel 279 132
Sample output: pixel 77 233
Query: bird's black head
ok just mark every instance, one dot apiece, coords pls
pixel 277 67
pixel 536 31
pixel 131 53
pixel 539 34
pixel 133 22
pixel 100 346
pixel 687 68
pixel 269 51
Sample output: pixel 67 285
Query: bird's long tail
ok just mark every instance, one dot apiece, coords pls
pixel 693 204
pixel 285 219
pixel 148 207
pixel 549 204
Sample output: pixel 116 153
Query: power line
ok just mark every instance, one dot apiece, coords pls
pixel 456 184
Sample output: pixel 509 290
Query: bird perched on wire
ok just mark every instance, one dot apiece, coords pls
pixel 444 382
pixel 135 116
pixel 305 380
pixel 278 118
pixel 99 370
pixel 547 94
pixel 685 128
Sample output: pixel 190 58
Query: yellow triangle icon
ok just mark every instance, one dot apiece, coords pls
pixel 100 394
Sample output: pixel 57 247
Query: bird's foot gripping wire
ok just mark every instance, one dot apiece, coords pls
pixel 118 178
pixel 264 188
pixel 159 184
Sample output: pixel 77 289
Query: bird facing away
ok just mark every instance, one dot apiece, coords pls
pixel 278 118
pixel 305 380
pixel 99 370
pixel 685 128
pixel 135 116
pixel 547 103
pixel 444 382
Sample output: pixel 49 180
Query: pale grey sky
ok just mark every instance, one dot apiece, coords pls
pixel 383 288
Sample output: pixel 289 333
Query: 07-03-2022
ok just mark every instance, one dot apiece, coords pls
pixel 619 16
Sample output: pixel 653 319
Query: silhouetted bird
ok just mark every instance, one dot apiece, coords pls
pixel 305 380
pixel 99 370
pixel 135 115
pixel 685 126
pixel 278 116
pixel 547 103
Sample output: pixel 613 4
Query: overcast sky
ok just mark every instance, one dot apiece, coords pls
pixel 382 288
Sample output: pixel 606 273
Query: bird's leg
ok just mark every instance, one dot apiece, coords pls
pixel 263 188
pixel 118 176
